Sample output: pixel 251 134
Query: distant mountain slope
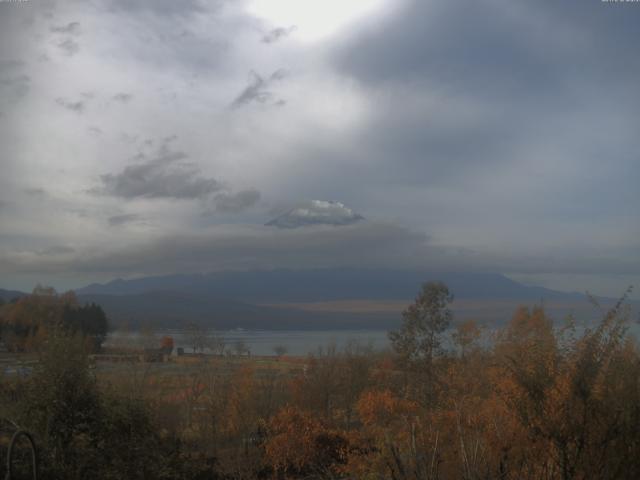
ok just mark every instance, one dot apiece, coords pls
pixel 313 299
pixel 8 295
pixel 329 284
pixel 177 310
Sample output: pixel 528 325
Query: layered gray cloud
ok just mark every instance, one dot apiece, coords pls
pixel 72 28
pixel 246 247
pixel 362 245
pixel 508 144
pixel 170 175
pixel 227 202
pixel 316 212
pixel 77 106
pixel 258 90
pixel 123 219
pixel 69 46
pixel 166 176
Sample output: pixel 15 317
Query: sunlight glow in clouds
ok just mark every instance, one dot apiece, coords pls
pixel 313 19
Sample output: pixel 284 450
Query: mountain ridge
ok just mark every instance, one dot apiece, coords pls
pixel 328 284
pixel 313 299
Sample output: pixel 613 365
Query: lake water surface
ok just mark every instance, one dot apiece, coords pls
pixel 296 342
pixel 263 342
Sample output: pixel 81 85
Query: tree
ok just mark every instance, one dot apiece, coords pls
pixel 418 341
pixel 391 442
pixel 28 321
pixel 466 336
pixel 166 344
pixel 84 430
pixel 89 320
pixel 299 445
pixel 62 403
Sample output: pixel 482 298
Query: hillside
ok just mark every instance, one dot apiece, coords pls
pixel 8 295
pixel 177 309
pixel 313 299
pixel 329 284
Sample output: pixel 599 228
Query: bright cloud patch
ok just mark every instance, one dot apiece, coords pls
pixel 316 212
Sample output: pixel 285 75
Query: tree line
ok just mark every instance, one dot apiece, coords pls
pixel 540 401
pixel 28 321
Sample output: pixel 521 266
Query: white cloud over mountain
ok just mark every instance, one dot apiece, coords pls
pixel 316 212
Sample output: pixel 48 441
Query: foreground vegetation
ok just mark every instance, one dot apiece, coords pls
pixel 541 402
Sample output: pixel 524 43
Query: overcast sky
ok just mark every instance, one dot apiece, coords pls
pixel 156 136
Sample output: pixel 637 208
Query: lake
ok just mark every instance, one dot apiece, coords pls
pixel 297 342
pixel 263 342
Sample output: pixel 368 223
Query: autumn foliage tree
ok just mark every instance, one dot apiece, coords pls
pixel 532 400
pixel 300 444
pixel 418 340
pixel 166 344
pixel 26 323
pixel 578 403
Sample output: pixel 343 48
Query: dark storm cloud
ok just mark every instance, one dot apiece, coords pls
pixel 316 212
pixel 72 28
pixel 444 41
pixel 278 34
pixel 256 247
pixel 163 177
pixel 365 245
pixel 454 94
pixel 507 128
pixel 118 220
pixel 494 47
pixel 258 89
pixel 227 202
pixel 77 106
pixel 465 88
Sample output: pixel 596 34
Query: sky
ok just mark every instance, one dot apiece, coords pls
pixel 156 136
